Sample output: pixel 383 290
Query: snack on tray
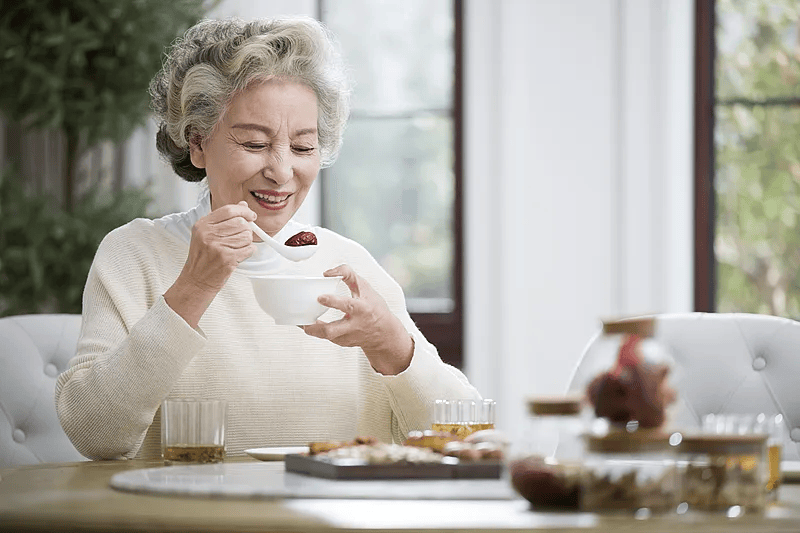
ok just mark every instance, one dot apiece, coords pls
pixel 381 453
pixel 420 447
pixel 304 238
pixel 316 448
pixel 633 390
pixel 435 440
pixel 493 436
pixel 365 440
pixel 473 451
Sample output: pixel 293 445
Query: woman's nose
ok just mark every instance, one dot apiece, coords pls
pixel 279 170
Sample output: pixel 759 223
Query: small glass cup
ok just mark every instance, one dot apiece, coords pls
pixel 463 417
pixel 193 430
pixel 773 427
pixel 770 425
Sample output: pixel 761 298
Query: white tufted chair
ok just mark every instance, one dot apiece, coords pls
pixel 34 350
pixel 731 363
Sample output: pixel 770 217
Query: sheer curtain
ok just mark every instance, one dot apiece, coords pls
pixel 578 181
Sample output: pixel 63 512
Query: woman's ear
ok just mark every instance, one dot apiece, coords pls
pixel 196 153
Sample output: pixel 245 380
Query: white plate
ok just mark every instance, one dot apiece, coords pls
pixel 790 471
pixel 275 454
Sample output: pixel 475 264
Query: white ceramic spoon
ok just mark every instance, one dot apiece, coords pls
pixel 292 253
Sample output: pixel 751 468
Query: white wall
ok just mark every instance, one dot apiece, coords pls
pixel 578 181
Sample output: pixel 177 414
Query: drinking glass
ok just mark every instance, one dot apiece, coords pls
pixel 193 430
pixel 463 417
pixel 772 426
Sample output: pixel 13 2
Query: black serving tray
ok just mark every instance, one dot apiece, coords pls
pixel 337 468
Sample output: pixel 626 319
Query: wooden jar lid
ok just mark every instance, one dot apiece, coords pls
pixel 641 327
pixel 554 405
pixel 622 441
pixel 722 444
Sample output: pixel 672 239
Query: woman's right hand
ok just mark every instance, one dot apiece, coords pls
pixel 220 241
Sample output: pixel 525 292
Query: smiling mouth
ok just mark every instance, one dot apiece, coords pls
pixel 270 200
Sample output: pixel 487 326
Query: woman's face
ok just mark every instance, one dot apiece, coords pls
pixel 264 150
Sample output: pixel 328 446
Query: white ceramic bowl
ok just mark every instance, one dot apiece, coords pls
pixel 292 300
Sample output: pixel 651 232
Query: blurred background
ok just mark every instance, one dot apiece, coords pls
pixel 523 168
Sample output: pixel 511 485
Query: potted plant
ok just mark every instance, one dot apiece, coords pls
pixel 81 67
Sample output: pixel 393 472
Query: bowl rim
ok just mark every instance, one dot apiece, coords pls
pixel 298 277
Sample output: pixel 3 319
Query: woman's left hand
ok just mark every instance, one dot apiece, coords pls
pixel 367 323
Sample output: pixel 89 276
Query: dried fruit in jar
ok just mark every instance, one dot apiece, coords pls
pixel 304 238
pixel 546 486
pixel 634 390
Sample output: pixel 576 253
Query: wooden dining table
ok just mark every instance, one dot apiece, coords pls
pixel 80 497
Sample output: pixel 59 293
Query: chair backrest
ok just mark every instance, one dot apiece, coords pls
pixel 731 363
pixel 34 350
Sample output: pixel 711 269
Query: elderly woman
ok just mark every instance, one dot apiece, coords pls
pixel 255 109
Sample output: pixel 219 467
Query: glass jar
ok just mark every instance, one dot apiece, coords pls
pixel 754 424
pixel 545 467
pixel 726 473
pixel 554 429
pixel 628 375
pixel 630 471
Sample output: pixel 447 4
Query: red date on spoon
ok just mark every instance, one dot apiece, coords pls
pixel 304 238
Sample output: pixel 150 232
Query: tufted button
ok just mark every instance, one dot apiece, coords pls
pixel 51 370
pixel 759 363
pixel 19 436
pixel 795 434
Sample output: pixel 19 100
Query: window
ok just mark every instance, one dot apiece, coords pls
pixel 748 157
pixel 396 185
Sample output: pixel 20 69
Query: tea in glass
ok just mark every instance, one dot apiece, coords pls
pixel 772 426
pixel 193 430
pixel 463 417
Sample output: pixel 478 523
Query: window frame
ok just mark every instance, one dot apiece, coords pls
pixel 445 330
pixel 705 263
pixel 705 209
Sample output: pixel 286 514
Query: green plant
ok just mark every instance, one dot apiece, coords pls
pixel 84 66
pixel 46 251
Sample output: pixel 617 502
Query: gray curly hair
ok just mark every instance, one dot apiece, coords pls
pixel 216 59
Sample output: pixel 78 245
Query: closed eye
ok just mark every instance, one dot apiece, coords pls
pixel 254 146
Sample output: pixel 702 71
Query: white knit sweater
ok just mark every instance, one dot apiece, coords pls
pixel 283 387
